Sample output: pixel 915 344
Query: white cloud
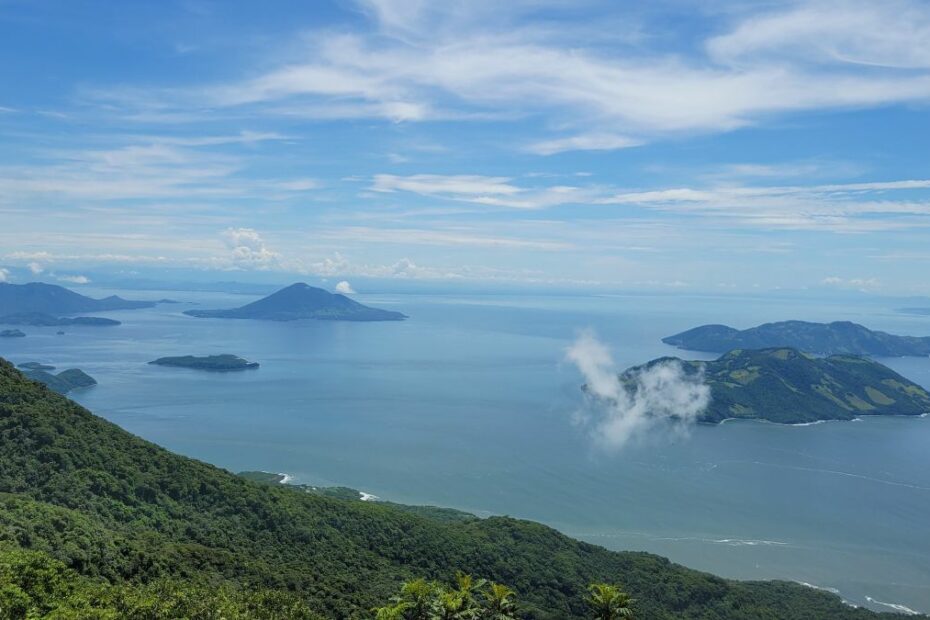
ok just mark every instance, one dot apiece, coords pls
pixel 73 279
pixel 345 288
pixel 584 142
pixel 35 268
pixel 426 61
pixel 860 284
pixel 4 275
pixel 657 399
pixel 248 249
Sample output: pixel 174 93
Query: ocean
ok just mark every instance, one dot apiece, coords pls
pixel 471 404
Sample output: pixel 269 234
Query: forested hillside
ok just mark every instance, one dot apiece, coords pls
pixel 111 520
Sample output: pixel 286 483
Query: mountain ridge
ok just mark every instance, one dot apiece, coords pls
pixel 837 337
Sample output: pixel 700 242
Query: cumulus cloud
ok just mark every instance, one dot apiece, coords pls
pixel 861 284
pixel 248 249
pixel 657 399
pixel 4 275
pixel 35 268
pixel 345 288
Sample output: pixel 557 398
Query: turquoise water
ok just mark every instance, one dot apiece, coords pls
pixel 470 404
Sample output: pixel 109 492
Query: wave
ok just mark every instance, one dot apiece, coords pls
pixel 822 588
pixel 895 606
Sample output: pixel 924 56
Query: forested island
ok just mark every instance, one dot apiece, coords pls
pixel 113 523
pixel 218 363
pixel 820 338
pixel 786 386
pixel 302 301
pixel 40 319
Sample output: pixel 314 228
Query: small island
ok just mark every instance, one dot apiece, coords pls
pixel 839 337
pixel 216 363
pixel 63 382
pixel 41 319
pixel 12 333
pixel 302 301
pixel 786 386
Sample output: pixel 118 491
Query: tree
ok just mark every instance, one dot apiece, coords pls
pixel 500 603
pixel 609 602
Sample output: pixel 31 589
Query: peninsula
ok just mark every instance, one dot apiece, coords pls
pixel 63 382
pixel 57 300
pixel 302 301
pixel 40 319
pixel 789 387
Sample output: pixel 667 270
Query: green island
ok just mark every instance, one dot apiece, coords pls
pixel 98 523
pixel 789 387
pixel 35 366
pixel 12 333
pixel 302 301
pixel 217 363
pixel 820 338
pixel 41 319
pixel 63 382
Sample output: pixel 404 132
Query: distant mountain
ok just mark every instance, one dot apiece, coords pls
pixel 786 386
pixel 219 363
pixel 302 301
pixel 12 333
pixel 819 338
pixel 42 319
pixel 56 300
pixel 63 382
pixel 920 311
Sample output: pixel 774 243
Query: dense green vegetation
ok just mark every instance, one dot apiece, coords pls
pixel 57 300
pixel 101 508
pixel 63 382
pixel 302 301
pixel 840 337
pixel 47 320
pixel 218 363
pixel 789 387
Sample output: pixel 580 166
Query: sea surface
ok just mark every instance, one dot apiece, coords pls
pixel 471 404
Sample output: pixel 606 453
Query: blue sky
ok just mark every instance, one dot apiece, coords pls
pixel 667 145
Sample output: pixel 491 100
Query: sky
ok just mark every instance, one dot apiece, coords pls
pixel 598 145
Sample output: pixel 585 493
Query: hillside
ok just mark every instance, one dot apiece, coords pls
pixel 819 338
pixel 110 506
pixel 56 300
pixel 302 301
pixel 789 387
pixel 63 382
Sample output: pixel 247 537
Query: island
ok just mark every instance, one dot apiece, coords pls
pixel 12 333
pixel 40 319
pixel 819 338
pixel 35 366
pixel 302 301
pixel 56 300
pixel 786 386
pixel 63 382
pixel 217 363
pixel 917 311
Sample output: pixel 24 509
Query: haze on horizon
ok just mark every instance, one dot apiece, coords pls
pixel 666 145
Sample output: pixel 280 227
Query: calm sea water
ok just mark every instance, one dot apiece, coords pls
pixel 469 404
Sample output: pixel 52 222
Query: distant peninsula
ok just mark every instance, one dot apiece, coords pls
pixel 839 337
pixel 12 333
pixel 63 382
pixel 302 301
pixel 35 366
pixel 56 300
pixel 40 319
pixel 786 386
pixel 217 363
